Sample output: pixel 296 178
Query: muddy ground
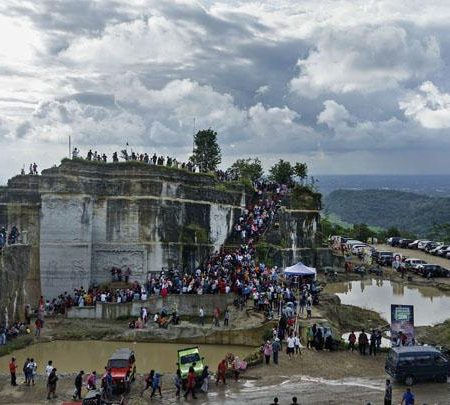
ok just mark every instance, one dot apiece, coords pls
pixel 314 377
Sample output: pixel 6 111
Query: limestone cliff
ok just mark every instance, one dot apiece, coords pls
pixel 14 268
pixel 82 218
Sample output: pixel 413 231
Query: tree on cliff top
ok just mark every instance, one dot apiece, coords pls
pixel 282 172
pixel 247 169
pixel 207 155
pixel 301 170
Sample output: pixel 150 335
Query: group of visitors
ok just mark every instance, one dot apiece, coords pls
pixel 10 238
pixel 141 157
pixel 30 369
pixel 194 383
pixel 10 332
pixel 320 338
pixel 373 342
pixel 86 297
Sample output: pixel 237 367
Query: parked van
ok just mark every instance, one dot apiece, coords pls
pixel 409 364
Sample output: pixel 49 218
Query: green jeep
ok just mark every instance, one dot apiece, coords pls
pixel 187 358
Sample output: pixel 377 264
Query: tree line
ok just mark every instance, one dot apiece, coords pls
pixel 207 156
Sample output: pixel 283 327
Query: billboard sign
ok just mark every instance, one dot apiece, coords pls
pixel 402 323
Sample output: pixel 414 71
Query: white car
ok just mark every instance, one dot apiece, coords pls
pixel 411 264
pixel 358 248
pixel 421 245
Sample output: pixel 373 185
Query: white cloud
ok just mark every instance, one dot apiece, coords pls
pixel 339 74
pixel 428 106
pixel 365 59
pixel 54 121
pixel 260 91
pixel 154 40
pixel 333 115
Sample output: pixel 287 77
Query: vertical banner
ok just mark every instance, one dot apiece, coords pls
pixel 402 325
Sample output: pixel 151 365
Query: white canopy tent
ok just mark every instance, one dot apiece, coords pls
pixel 300 269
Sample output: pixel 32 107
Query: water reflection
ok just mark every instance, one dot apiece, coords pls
pixel 70 356
pixel 431 305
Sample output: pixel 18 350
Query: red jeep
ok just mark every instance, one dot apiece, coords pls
pixel 123 369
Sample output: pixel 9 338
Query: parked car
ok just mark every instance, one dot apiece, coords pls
pixel 122 364
pixel 422 244
pixel 409 364
pixel 435 251
pixel 403 243
pixel 432 270
pixel 393 240
pixel 444 252
pixel 358 248
pixel 431 245
pixel 413 244
pixel 411 264
pixel 385 258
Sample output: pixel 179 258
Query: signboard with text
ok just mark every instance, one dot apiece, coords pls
pixel 402 323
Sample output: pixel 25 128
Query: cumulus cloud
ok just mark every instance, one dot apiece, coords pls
pixel 154 39
pixel 365 59
pixel 333 115
pixel 159 117
pixel 280 77
pixel 428 106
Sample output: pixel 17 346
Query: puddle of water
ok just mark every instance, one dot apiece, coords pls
pixel 317 390
pixel 71 356
pixel 431 305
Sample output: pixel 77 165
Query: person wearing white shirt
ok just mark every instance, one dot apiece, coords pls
pixel 103 297
pixel 49 367
pixel 297 344
pixel 290 346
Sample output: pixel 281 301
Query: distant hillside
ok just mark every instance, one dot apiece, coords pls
pixel 384 208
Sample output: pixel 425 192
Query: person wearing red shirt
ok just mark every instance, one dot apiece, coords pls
pixel 12 370
pixel 221 370
pixel 191 381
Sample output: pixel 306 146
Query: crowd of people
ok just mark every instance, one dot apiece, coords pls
pixel 10 332
pixel 140 157
pixel 373 342
pixel 224 272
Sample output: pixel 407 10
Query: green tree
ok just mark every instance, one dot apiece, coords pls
pixel 207 155
pixel 362 232
pixel 393 231
pixel 282 172
pixel 301 170
pixel 247 169
pixel 440 232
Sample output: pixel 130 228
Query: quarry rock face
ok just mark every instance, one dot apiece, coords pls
pixel 14 267
pixel 82 218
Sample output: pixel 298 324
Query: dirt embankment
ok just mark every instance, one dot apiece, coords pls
pixel 345 318
pixel 435 335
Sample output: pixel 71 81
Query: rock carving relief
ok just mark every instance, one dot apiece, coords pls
pixel 104 261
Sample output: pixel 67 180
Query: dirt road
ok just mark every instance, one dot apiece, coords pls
pixel 314 377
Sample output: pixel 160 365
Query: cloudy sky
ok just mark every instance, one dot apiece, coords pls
pixel 348 86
